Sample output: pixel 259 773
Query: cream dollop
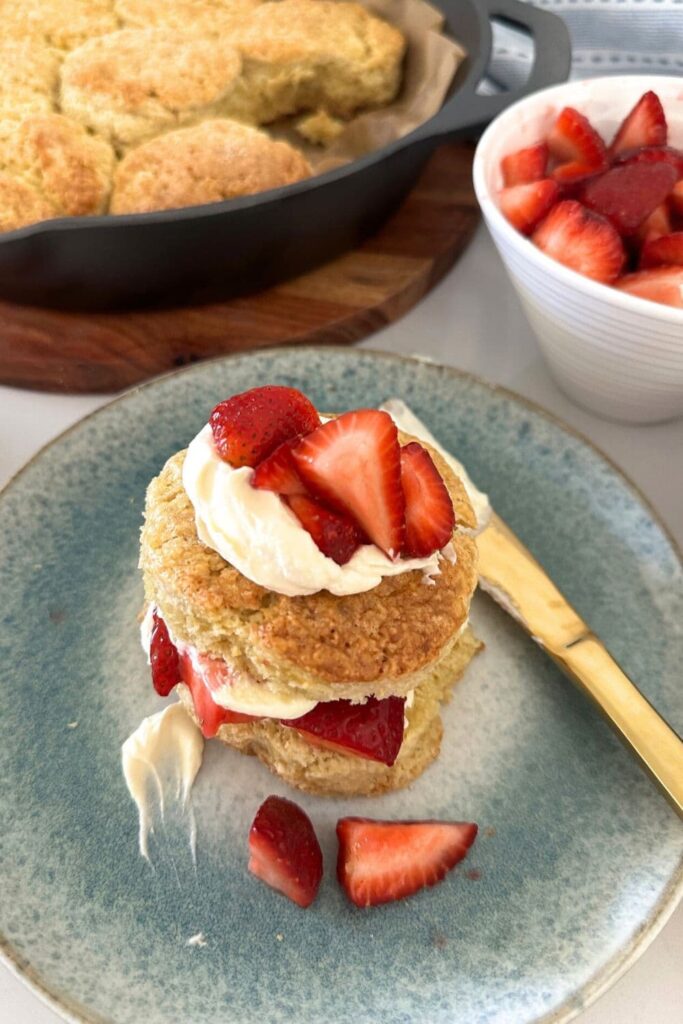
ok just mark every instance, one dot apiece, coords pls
pixel 256 532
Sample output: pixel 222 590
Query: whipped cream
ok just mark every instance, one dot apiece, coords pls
pixel 256 532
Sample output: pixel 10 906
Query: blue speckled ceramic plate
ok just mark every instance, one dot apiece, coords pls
pixel 579 859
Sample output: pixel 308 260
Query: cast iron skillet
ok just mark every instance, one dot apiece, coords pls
pixel 241 245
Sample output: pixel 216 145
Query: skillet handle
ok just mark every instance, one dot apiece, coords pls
pixel 468 110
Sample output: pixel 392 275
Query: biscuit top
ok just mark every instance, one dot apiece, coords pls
pixel 133 83
pixel 61 23
pixel 190 15
pixel 207 163
pixel 30 75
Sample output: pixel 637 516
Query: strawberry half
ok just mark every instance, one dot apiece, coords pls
pixel 667 249
pixel 582 240
pixel 628 194
pixel 645 125
pixel 381 861
pixel 373 730
pixel 200 676
pixel 284 851
pixel 249 426
pixel 525 205
pixel 278 472
pixel 353 464
pixel 335 534
pixel 573 139
pixel 526 165
pixel 163 656
pixel 662 284
pixel 430 518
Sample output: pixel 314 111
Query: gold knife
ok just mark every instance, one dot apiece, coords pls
pixel 516 581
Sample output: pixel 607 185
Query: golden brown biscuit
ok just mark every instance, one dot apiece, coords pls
pixel 216 160
pixel 329 773
pixel 29 79
pixel 60 23
pixel 213 16
pixel 20 204
pixel 303 55
pixel 133 84
pixel 61 161
pixel 385 641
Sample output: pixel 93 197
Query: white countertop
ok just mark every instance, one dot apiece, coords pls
pixel 472 321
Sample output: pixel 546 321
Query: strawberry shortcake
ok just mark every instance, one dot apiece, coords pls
pixel 308 579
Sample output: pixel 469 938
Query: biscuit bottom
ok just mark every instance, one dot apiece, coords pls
pixel 329 773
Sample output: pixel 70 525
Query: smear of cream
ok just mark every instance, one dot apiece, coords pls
pixel 198 940
pixel 160 763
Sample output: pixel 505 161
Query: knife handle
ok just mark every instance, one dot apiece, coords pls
pixel 638 725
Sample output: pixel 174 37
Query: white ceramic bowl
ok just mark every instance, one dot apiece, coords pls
pixel 618 355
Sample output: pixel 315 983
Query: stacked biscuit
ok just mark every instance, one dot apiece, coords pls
pixel 405 638
pixel 140 105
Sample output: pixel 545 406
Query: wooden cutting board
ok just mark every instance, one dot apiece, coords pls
pixel 339 303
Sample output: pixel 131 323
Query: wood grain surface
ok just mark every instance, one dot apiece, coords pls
pixel 341 302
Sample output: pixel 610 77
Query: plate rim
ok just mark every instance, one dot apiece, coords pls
pixel 606 976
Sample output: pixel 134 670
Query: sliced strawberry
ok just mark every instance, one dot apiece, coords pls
pixel 656 225
pixel 249 426
pixel 571 176
pixel 336 534
pixel 284 851
pixel 430 518
pixel 662 284
pixel 353 464
pixel 202 675
pixel 163 656
pixel 278 472
pixel 645 125
pixel 373 730
pixel 667 249
pixel 381 861
pixel 573 139
pixel 677 198
pixel 582 240
pixel 628 194
pixel 525 205
pixel 526 165
pixel 653 155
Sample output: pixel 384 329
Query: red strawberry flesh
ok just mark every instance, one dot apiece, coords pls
pixel 248 427
pixel 526 165
pixel 284 851
pixel 278 473
pixel 653 155
pixel 666 249
pixel 373 730
pixel 382 861
pixel 352 463
pixel 202 675
pixel 573 139
pixel 581 240
pixel 628 194
pixel 661 284
pixel 163 656
pixel 430 518
pixel 525 205
pixel 644 125
pixel 334 533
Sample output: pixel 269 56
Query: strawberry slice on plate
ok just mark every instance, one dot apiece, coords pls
pixel 581 240
pixel 278 472
pixel 353 464
pixel 284 851
pixel 430 518
pixel 249 426
pixel 661 284
pixel 525 205
pixel 573 139
pixel 629 193
pixel 525 165
pixel 382 861
pixel 335 534
pixel 666 249
pixel 644 125
pixel 373 730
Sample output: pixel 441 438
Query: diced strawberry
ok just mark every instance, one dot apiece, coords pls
pixel 335 534
pixel 284 851
pixel 430 518
pixel 653 155
pixel 278 472
pixel 573 139
pixel 656 225
pixel 667 249
pixel 353 464
pixel 570 177
pixel 628 194
pixel 677 197
pixel 662 284
pixel 526 165
pixel 645 125
pixel 249 426
pixel 582 240
pixel 163 656
pixel 373 730
pixel 381 861
pixel 525 205
pixel 201 676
